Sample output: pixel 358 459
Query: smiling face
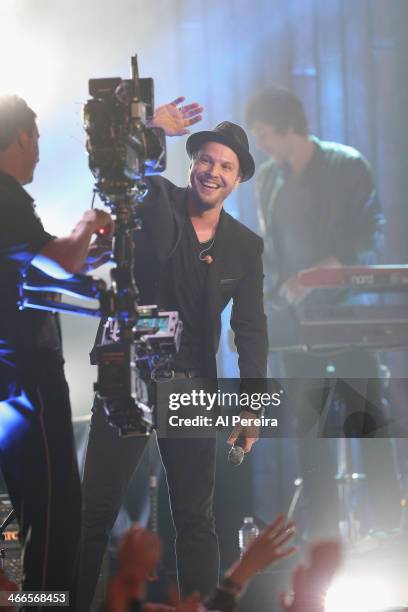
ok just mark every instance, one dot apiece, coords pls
pixel 214 173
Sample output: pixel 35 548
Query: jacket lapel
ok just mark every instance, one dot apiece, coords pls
pixel 214 298
pixel 180 212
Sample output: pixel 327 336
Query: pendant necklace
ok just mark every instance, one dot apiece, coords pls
pixel 207 258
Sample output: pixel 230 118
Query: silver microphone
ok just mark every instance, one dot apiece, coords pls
pixel 237 453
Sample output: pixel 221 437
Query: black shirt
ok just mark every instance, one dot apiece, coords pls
pixel 184 290
pixel 23 334
pixel 294 223
pixel 236 274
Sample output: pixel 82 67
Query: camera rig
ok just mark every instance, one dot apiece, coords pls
pixel 135 343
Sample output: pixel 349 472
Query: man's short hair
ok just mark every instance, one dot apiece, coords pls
pixel 280 108
pixel 15 115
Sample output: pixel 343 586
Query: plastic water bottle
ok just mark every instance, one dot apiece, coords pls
pixel 248 532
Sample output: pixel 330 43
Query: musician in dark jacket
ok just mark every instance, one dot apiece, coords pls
pixel 193 257
pixel 318 207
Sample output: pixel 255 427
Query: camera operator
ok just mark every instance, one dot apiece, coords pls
pixel 193 257
pixel 36 438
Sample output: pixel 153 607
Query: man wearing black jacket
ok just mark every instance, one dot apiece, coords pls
pixel 193 257
pixel 318 207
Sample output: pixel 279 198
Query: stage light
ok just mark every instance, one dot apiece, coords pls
pixel 31 68
pixel 360 593
pixel 13 418
pixel 7 5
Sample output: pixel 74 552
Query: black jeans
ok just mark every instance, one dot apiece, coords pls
pixel 190 470
pixel 39 465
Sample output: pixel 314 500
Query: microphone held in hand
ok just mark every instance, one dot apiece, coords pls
pixel 237 453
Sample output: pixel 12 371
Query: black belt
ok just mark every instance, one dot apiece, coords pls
pixel 167 375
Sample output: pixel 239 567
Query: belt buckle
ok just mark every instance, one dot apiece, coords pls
pixel 159 376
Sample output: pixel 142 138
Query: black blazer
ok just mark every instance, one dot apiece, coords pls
pixel 236 273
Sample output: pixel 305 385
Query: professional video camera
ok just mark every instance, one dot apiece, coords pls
pixel 122 148
pixel 139 341
pixel 135 343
